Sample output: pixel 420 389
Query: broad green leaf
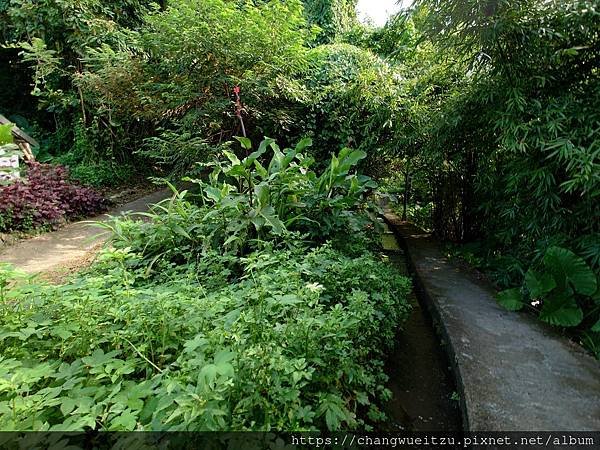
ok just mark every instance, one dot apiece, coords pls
pixel 67 405
pixel 165 402
pixel 125 422
pixel 354 185
pixel 230 318
pixel 276 160
pixel 258 222
pixel 351 160
pixel 223 356
pixel 596 327
pixel 226 369
pixel 214 175
pixel 237 170
pixel 354 157
pixel 344 152
pixel 276 224
pixel 335 412
pixel 135 403
pixel 333 417
pixel 262 194
pixel 537 284
pixel 562 310
pixel 262 172
pixel 262 148
pixel 511 299
pixel 6 136
pixel 288 299
pixel 213 193
pixel 230 240
pixel 61 332
pixel 223 360
pixel 191 345
pixel 207 375
pixel 245 142
pixel 226 189
pixel 566 266
pixel 271 219
pixel 232 157
pixel 304 143
pixel 181 232
pixel 289 157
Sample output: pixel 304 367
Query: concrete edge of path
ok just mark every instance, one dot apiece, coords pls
pixel 513 373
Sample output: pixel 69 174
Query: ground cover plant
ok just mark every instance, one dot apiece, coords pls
pixel 45 198
pixel 232 308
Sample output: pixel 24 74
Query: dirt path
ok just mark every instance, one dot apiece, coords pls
pixel 71 246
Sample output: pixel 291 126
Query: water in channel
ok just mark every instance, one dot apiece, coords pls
pixel 424 392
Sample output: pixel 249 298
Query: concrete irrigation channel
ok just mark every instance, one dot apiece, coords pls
pixel 512 372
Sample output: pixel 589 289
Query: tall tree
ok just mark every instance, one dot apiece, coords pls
pixel 334 17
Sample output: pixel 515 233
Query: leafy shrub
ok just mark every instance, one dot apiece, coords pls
pixel 87 166
pixel 353 98
pixel 54 38
pixel 501 111
pixel 44 199
pixel 563 288
pixel 244 205
pixel 295 342
pixel 333 17
pixel 178 69
pixel 103 173
pixel 177 151
pixel 225 311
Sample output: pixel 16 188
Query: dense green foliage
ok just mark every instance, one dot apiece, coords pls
pixel 185 61
pixel 105 80
pixel 152 89
pixel 565 286
pixel 515 133
pixel 333 17
pixel 497 128
pixel 54 37
pixel 353 94
pixel 295 341
pixel 256 299
pixel 245 206
pixel 222 312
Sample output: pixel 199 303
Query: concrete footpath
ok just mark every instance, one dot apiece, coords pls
pixel 513 372
pixel 51 251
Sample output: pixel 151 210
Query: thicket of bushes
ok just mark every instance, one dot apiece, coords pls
pixel 489 110
pixel 497 127
pixel 225 311
pixel 154 88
